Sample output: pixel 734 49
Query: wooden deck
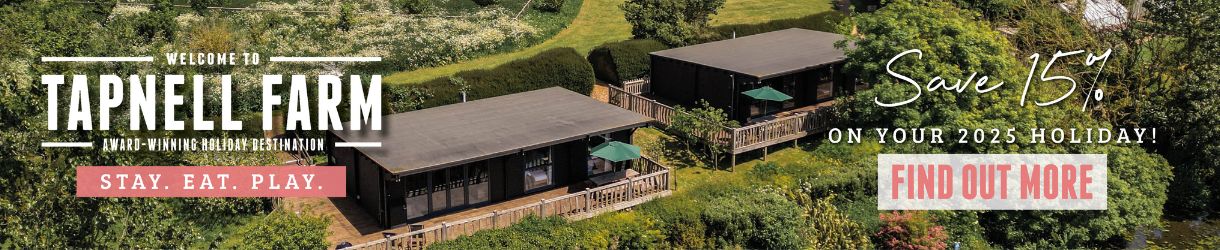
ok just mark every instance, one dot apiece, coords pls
pixel 783 127
pixel 573 202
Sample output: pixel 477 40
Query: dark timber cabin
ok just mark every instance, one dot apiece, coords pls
pixel 801 63
pixel 447 158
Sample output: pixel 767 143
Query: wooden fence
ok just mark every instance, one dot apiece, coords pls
pixel 739 140
pixel 580 205
pixel 638 86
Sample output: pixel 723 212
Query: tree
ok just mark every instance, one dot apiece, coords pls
pixel 1186 109
pixel 673 22
pixel 158 21
pixel 1189 123
pixel 701 128
pixel 955 44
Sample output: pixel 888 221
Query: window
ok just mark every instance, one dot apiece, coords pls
pixel 440 195
pixel 457 186
pixel 417 195
pixel 825 84
pixel 788 86
pixel 538 168
pixel 478 182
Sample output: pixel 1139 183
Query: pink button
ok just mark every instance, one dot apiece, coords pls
pixel 210 181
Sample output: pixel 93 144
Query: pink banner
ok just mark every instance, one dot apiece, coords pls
pixel 210 181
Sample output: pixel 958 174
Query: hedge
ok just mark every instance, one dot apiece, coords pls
pixel 562 67
pixel 615 62
pixel 825 21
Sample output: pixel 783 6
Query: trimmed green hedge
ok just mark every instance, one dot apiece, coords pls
pixel 825 21
pixel 615 62
pixel 562 67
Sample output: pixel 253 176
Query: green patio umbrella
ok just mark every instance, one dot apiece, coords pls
pixel 616 151
pixel 767 93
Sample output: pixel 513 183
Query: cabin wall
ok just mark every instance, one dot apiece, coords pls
pixel 674 80
pixel 395 200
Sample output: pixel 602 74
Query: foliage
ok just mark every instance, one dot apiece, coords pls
pixel 700 128
pixel 485 2
pixel 758 220
pixel 561 67
pixel 281 230
pixel 201 6
pixel 954 45
pixel 548 5
pixel 158 22
pixel 347 11
pixel 622 231
pixel 673 22
pixel 822 21
pixel 414 6
pixel 1191 21
pixel 910 230
pixel 620 61
pixel 1184 105
pixel 829 229
pixel 1190 123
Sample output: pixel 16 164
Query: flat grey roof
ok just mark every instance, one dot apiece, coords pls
pixel 450 135
pixel 764 55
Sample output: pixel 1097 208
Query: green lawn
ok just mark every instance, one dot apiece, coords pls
pixel 688 173
pixel 601 21
pixel 760 11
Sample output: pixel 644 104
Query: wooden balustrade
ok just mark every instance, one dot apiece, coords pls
pixel 584 204
pixel 638 86
pixel 741 139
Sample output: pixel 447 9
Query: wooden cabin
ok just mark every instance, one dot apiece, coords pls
pixel 801 63
pixel 439 160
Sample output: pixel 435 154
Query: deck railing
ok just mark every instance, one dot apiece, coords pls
pixel 741 139
pixel 638 86
pixel 584 204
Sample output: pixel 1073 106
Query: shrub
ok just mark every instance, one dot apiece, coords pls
pixel 413 6
pixel 753 220
pixel 620 61
pixel 910 230
pixel 678 217
pixel 548 5
pixel 625 230
pixel 824 21
pixel 562 67
pixel 281 230
pixel 486 2
pixel 530 233
pixel 829 229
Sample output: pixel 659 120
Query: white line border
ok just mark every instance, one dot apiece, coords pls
pixel 97 59
pixel 325 59
pixel 67 144
pixel 358 144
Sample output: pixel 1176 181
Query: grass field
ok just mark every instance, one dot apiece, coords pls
pixel 688 173
pixel 601 21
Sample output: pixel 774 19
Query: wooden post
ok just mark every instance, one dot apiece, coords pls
pixel 444 230
pixel 588 196
pixel 732 162
pixel 630 185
